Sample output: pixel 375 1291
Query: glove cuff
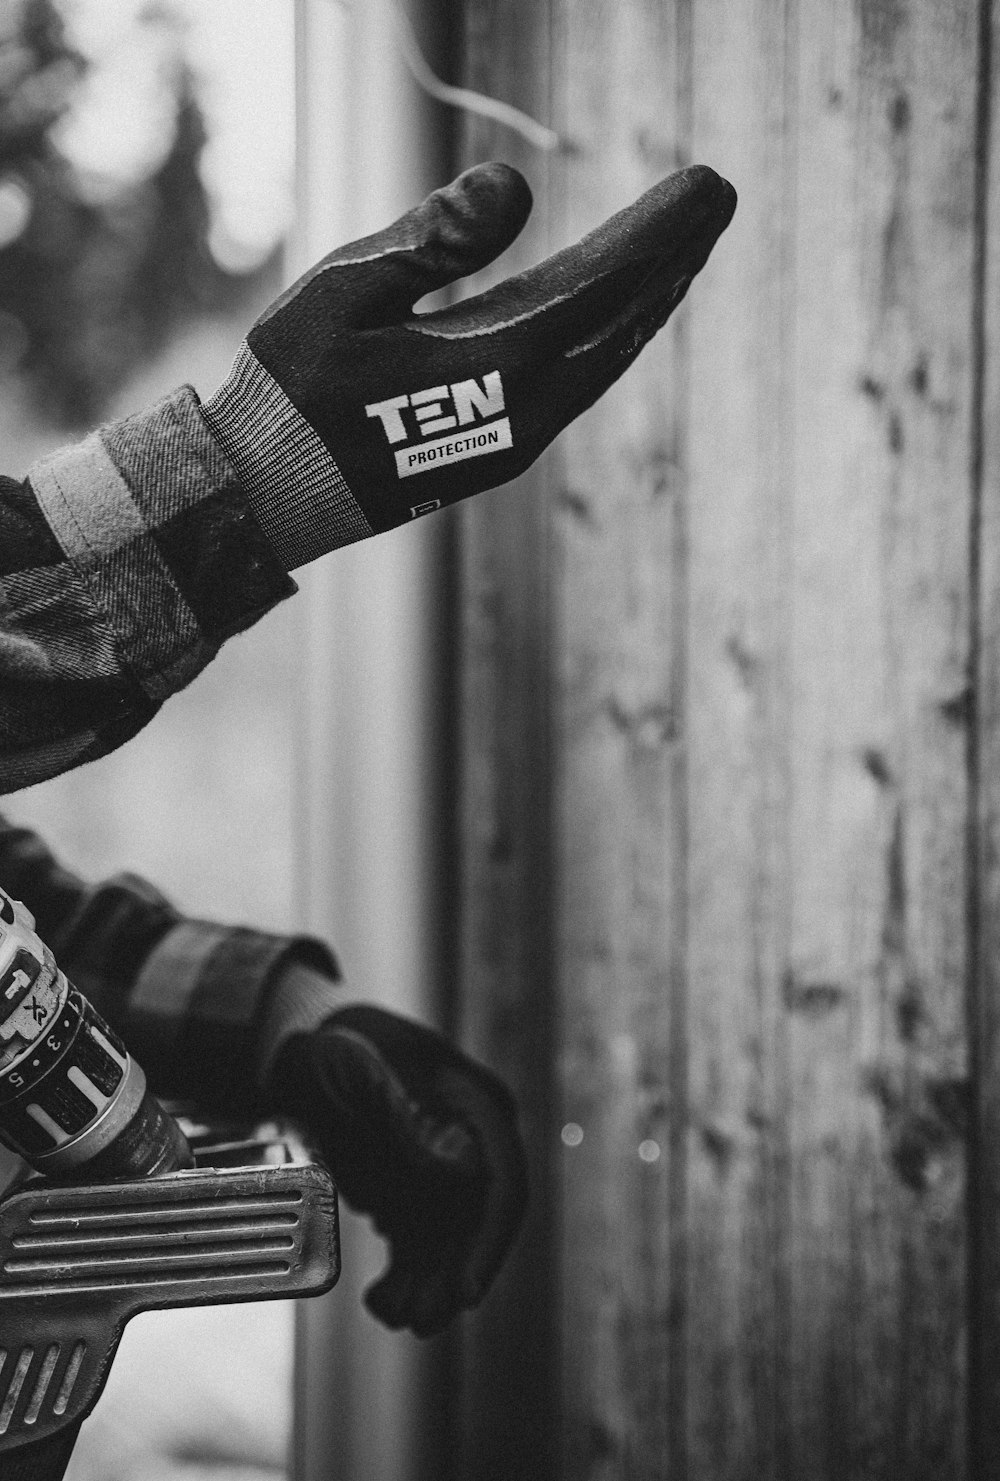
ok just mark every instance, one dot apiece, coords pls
pixel 298 1001
pixel 290 480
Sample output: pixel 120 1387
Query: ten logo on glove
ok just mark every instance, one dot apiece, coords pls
pixel 468 401
pixel 346 414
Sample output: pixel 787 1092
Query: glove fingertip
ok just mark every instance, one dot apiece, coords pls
pixel 489 204
pixel 685 207
pixel 710 186
pixel 505 184
pixel 472 1291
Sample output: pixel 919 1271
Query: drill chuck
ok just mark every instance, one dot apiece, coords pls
pixel 73 1101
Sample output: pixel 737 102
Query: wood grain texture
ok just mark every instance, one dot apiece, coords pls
pixel 830 588
pixel 984 920
pixel 506 1426
pixel 757 606
pixel 619 674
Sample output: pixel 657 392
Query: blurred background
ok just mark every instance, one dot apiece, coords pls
pixel 147 176
pixel 164 170
pixel 665 779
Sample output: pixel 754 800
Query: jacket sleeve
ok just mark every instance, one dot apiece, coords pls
pixel 194 1001
pixel 126 560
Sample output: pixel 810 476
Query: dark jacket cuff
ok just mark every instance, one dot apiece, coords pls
pixel 153 517
pixel 193 1015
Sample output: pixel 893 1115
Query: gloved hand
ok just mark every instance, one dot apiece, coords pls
pixel 346 414
pixel 424 1140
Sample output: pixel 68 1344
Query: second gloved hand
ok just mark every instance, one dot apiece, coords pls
pixel 346 413
pixel 422 1139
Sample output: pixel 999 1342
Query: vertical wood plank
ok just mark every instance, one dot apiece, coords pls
pixel 984 1289
pixel 508 1411
pixel 620 766
pixel 741 1413
pixel 884 392
pixel 831 392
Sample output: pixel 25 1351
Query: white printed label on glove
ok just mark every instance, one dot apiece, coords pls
pixel 442 409
pixel 453 449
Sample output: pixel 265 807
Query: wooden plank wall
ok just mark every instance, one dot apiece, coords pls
pixel 730 818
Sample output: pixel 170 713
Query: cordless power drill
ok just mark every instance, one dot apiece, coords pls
pixel 124 1213
pixel 72 1099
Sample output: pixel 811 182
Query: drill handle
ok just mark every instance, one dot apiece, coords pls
pixel 47 1460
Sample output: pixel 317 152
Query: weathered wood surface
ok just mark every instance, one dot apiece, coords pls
pixel 984 1292
pixel 505 1428
pixel 831 393
pixel 621 764
pixel 741 605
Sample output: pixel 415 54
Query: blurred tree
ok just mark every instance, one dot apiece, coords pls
pixel 90 286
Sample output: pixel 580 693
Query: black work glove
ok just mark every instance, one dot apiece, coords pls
pixel 346 413
pixel 422 1139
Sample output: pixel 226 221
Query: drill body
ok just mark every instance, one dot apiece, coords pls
pixel 73 1101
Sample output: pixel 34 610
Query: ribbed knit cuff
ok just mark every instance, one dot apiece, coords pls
pixel 299 1000
pixel 291 482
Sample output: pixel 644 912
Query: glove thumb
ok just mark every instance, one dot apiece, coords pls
pixel 376 281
